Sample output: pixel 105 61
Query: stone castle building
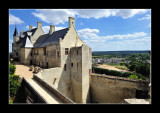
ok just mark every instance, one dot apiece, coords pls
pixel 64 58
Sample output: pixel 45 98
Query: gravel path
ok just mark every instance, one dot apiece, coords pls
pixel 23 71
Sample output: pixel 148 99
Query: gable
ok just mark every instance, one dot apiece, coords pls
pixel 73 38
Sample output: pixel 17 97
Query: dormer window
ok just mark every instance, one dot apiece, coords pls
pixel 66 51
pixel 29 33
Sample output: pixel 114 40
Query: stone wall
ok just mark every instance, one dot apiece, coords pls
pixel 111 89
pixel 58 79
pixel 76 73
pixel 58 94
pixel 80 66
pixel 86 70
pixel 25 55
pixel 50 58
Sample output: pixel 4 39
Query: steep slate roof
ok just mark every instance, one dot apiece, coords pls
pixel 27 43
pixel 15 32
pixel 25 35
pixel 47 38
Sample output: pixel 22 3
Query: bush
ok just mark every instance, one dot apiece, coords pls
pixel 133 77
pixel 117 73
pixel 143 69
pixel 16 59
pixel 127 74
pixel 12 62
pixel 14 84
pixel 12 68
pixel 122 63
pixel 106 71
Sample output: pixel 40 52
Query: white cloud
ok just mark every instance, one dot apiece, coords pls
pixel 114 42
pixel 54 16
pixel 10 45
pixel 149 24
pixel 88 33
pixel 47 28
pixel 127 13
pixel 126 36
pixel 57 16
pixel 27 27
pixel 14 20
pixel 146 17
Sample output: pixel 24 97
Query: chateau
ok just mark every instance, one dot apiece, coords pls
pixel 64 64
pixel 63 56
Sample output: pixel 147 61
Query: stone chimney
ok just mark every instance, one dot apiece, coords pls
pixel 30 27
pixel 71 21
pixel 52 29
pixel 21 33
pixel 39 24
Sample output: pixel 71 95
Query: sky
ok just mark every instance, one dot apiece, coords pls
pixel 100 29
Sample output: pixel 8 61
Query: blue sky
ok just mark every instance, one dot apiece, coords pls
pixel 101 29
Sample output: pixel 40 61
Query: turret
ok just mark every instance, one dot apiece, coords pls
pixel 15 35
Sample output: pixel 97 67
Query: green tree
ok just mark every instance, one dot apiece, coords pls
pixel 14 84
pixel 12 68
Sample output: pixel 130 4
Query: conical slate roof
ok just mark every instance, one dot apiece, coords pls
pixel 15 32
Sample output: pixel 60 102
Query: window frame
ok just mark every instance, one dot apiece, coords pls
pixel 66 51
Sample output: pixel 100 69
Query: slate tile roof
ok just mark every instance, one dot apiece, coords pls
pixel 15 32
pixel 27 43
pixel 25 35
pixel 47 38
pixel 43 39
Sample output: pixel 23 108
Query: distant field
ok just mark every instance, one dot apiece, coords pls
pixel 113 67
pixel 118 66
pixel 110 54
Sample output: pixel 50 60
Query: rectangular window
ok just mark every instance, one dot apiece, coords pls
pixel 89 71
pixel 65 67
pixel 58 54
pixel 77 52
pixel 47 64
pixel 31 53
pixel 72 64
pixel 66 51
pixel 44 51
pixel 17 53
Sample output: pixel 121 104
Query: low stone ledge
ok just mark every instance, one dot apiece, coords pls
pixel 136 101
pixel 59 95
pixel 119 78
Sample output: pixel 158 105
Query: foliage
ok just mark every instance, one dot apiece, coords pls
pixel 16 59
pixel 14 84
pixel 138 64
pixel 10 55
pixel 133 77
pixel 12 68
pixel 12 62
pixel 121 67
pixel 10 100
pixel 120 54
pixel 117 73
pixel 106 71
